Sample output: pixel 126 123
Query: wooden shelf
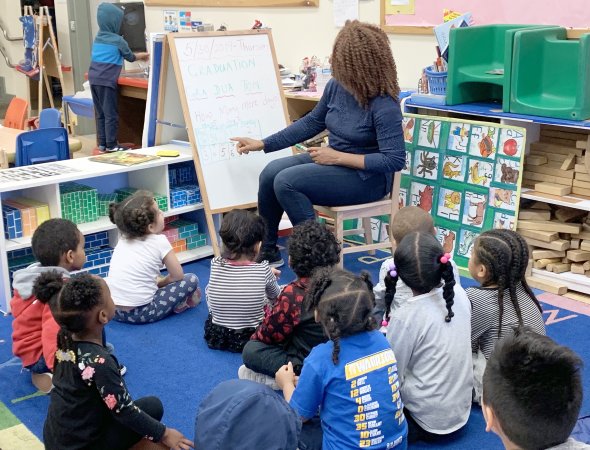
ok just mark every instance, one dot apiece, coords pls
pixel 569 201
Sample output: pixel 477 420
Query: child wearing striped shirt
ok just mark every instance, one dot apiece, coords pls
pixel 504 300
pixel 239 288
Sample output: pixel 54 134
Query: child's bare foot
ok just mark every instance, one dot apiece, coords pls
pixel 43 381
pixel 194 299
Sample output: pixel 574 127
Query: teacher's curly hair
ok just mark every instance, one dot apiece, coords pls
pixel 362 62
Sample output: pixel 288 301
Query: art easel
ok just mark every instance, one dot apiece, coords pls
pixel 47 53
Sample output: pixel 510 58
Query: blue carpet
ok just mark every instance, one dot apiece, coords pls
pixel 170 359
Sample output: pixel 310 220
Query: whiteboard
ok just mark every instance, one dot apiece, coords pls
pixel 231 87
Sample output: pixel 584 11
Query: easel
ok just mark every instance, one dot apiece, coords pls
pixel 47 53
pixel 173 123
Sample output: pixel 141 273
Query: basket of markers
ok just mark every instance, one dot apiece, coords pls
pixel 437 81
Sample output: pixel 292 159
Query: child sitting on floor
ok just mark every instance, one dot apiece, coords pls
pixel 289 332
pixel 532 392
pixel 429 335
pixel 239 288
pixel 140 293
pixel 407 220
pixel 504 300
pixel 57 245
pixel 90 406
pixel 353 377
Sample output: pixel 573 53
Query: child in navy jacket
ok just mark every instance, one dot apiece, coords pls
pixel 108 51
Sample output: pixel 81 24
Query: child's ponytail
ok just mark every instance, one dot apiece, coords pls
pixel 334 334
pixel 448 276
pixel 47 288
pixel 390 284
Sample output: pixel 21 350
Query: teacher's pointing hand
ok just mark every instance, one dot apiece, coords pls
pixel 245 145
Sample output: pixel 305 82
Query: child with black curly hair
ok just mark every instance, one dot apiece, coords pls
pixel 429 334
pixel 288 332
pixel 504 300
pixel 140 293
pixel 90 406
pixel 239 288
pixel 352 378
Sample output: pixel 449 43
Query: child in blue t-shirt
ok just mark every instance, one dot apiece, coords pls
pixel 353 377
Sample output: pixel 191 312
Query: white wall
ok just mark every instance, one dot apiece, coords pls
pixel 300 32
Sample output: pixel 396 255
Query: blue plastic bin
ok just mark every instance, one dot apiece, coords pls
pixel 437 81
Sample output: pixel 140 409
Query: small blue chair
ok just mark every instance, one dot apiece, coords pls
pixel 50 118
pixel 41 146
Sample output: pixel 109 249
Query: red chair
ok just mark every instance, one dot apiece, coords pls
pixel 16 114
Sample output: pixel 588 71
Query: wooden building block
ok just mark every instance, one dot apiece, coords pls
pixel 540 254
pixel 559 267
pixel 532 214
pixel 559 245
pixel 569 214
pixel 577 296
pixel 529 268
pixel 585 245
pixel 536 160
pixel 553 189
pixel 542 263
pixel 545 236
pixel 547 178
pixel 578 268
pixel 582 235
pixel 580 168
pixel 541 205
pixel 563 134
pixel 544 169
pixel 582 184
pixel 582 192
pixel 578 255
pixel 552 148
pixel 557 157
pixel 547 286
pixel 551 225
pixel 582 177
pixel 585 145
pixel 574 244
pixel 569 163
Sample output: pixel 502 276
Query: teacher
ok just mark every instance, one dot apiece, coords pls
pixel 360 110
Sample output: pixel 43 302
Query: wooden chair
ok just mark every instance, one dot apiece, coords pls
pixel 3 159
pixel 16 113
pixel 388 206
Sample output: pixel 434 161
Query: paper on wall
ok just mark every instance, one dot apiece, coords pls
pixel 345 10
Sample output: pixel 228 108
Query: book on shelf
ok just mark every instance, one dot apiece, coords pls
pixel 123 158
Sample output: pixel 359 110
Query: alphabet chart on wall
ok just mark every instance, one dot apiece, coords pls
pixel 466 174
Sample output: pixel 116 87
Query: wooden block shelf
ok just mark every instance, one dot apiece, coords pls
pixel 556 157
pixel 105 178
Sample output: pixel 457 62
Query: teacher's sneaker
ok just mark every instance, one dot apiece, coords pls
pixel 273 257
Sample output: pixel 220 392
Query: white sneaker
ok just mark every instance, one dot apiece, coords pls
pixel 248 374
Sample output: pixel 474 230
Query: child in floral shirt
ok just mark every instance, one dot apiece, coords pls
pixel 90 406
pixel 289 332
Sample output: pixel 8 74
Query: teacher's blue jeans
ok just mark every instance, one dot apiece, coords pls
pixel 295 183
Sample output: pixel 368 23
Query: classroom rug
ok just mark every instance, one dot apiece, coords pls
pixel 170 359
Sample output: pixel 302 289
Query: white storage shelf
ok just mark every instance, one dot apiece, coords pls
pixel 532 124
pixel 151 175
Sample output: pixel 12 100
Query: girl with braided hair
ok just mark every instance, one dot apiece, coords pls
pixel 504 300
pixel 429 334
pixel 90 406
pixel 140 293
pixel 352 378
pixel 360 109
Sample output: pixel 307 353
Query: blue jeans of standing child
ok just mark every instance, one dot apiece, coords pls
pixel 106 107
pixel 295 183
pixel 166 301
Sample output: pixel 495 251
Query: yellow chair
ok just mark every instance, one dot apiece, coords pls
pixel 387 206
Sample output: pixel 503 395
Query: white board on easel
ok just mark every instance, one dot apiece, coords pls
pixel 228 85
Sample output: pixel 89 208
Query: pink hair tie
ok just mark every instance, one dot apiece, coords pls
pixel 384 323
pixel 445 258
pixel 392 269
